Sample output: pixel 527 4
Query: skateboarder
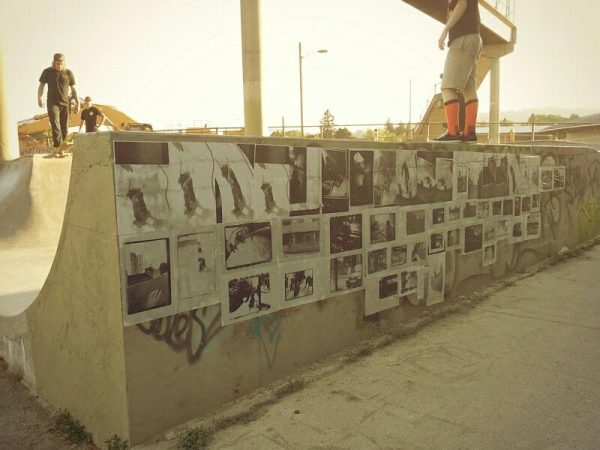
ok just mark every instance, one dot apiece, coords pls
pixel 59 80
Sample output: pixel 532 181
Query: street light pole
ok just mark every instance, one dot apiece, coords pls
pixel 300 58
pixel 301 93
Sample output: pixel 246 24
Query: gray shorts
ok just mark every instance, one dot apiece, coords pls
pixel 460 68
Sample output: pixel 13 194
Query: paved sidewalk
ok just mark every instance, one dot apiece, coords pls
pixel 521 370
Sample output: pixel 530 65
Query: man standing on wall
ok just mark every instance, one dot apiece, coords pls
pixel 59 80
pixel 464 48
pixel 89 116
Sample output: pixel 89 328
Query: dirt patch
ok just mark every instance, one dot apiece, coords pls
pixel 24 422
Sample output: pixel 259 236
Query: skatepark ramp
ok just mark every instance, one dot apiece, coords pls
pixel 156 276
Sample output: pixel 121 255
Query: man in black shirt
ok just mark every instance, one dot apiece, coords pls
pixel 59 81
pixel 464 48
pixel 89 116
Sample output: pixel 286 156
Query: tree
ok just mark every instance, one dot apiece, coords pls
pixel 327 125
pixel 342 133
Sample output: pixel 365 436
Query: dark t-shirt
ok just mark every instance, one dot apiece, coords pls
pixel 468 23
pixel 58 85
pixel 90 115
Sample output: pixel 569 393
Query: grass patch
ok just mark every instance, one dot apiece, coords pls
pixel 195 439
pixel 116 443
pixel 72 428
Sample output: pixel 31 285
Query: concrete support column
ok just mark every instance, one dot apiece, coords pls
pixel 9 141
pixel 250 16
pixel 494 132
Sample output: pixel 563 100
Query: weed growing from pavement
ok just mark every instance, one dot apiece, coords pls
pixel 195 439
pixel 74 430
pixel 116 443
pixel 295 384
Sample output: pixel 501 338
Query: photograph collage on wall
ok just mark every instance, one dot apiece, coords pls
pixel 262 227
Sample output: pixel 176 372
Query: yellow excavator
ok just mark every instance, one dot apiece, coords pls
pixel 35 135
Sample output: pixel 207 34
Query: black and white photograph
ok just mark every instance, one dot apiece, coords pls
pixel 469 210
pixel 385 186
pixel 517 232
pixel 249 296
pixel 418 252
pixel 191 189
pixel 346 273
pixel 335 185
pixel 453 238
pixel 345 233
pixel 483 209
pixel 519 174
pixel 559 178
pixel 535 203
pixel 196 265
pixel 434 176
pixel 361 177
pixel 453 213
pixel 383 228
pixel 462 179
pixel 388 287
pixel 517 208
pixel 547 179
pixel 502 229
pixel 406 175
pixel 398 255
pixel 142 202
pixel 299 284
pixel 234 183
pixel 525 204
pixel 438 216
pixel 493 181
pixel 298 185
pixel 435 288
pixel 533 226
pixel 409 281
pixel 272 182
pixel 381 294
pixel 305 180
pixel 148 274
pixel 508 207
pixel 415 222
pixel 534 174
pixel 475 172
pixel 377 260
pixel 473 238
pixel 437 243
pixel 497 208
pixel 489 231
pixel 247 244
pixel 489 255
pixel 300 236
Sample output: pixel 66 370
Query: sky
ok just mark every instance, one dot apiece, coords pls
pixel 178 63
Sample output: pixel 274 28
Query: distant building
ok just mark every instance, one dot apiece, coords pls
pixel 585 129
pixel 135 264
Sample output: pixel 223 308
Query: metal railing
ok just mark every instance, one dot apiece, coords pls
pixel 507 133
pixel 504 7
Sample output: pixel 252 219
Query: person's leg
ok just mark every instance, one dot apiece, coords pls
pixel 451 110
pixel 453 82
pixel 54 118
pixel 470 92
pixel 64 121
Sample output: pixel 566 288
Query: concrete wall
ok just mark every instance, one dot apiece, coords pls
pixel 76 324
pixel 191 364
pixel 139 380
